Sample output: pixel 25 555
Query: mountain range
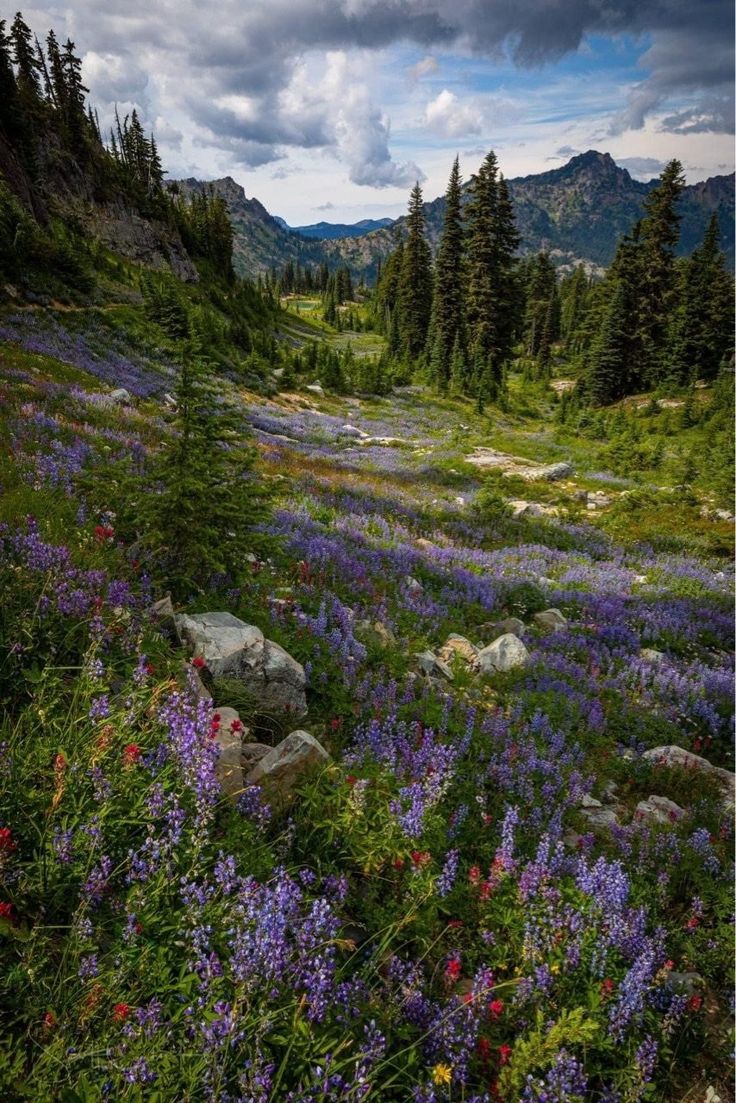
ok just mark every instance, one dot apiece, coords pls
pixel 327 231
pixel 577 212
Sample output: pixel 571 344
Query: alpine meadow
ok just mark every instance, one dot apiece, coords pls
pixel 366 635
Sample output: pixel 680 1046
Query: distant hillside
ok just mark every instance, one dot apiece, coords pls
pixel 577 212
pixel 328 231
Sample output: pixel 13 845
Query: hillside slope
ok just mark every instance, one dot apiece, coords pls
pixel 577 212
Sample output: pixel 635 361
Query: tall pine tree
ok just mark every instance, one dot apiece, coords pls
pixel 447 324
pixel 415 282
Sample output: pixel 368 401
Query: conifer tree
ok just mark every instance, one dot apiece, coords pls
pixel 703 328
pixel 26 61
pixel 10 111
pixel 606 378
pixel 481 306
pixel 200 522
pixel 414 291
pixel 659 234
pixel 447 322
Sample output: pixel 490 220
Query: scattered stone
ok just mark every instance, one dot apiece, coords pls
pixel 505 653
pixel 640 579
pixel 353 431
pixel 600 817
pixel 678 756
pixel 521 508
pixel 423 543
pixel 377 632
pixel 652 655
pixel 228 737
pixel 686 984
pixel 658 810
pixel 251 753
pixel 550 620
pixel 169 400
pixel 590 802
pixel 549 472
pixel 413 584
pixel 281 769
pixel 610 792
pixel 163 616
pixel 542 580
pixel 494 629
pixel 457 646
pixel 120 397
pixel 597 499
pixel 231 648
pixel 315 388
pixel 432 666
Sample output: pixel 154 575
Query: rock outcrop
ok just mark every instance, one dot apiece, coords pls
pixel 230 648
pixel 279 771
pixel 505 653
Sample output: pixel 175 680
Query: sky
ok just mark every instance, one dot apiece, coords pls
pixel 332 109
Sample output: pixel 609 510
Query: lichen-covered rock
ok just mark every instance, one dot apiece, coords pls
pixel 677 756
pixel 550 472
pixel 230 648
pixel 375 632
pixel 494 629
pixel 550 620
pixel 652 655
pixel 432 666
pixel 163 616
pixel 505 653
pixel 251 753
pixel 457 647
pixel 282 768
pixel 659 810
pixel 600 817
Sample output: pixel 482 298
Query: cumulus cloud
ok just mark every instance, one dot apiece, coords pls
pixel 236 71
pixel 450 117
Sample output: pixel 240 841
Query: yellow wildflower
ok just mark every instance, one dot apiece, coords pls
pixel 442 1074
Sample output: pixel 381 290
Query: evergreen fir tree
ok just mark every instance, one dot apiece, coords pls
pixel 606 379
pixel 200 522
pixel 447 323
pixel 659 234
pixel 414 291
pixel 703 328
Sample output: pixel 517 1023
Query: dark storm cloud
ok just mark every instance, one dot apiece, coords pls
pixel 209 55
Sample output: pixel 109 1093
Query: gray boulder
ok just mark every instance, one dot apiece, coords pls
pixel 120 397
pixel 550 472
pixel 163 616
pixel 652 655
pixel 432 666
pixel 233 649
pixel 315 388
pixel 498 628
pixel 600 817
pixel 678 756
pixel 282 768
pixel 251 753
pixel 503 654
pixel 550 620
pixel 658 810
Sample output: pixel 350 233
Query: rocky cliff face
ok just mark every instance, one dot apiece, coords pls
pixel 141 240
pixel 65 190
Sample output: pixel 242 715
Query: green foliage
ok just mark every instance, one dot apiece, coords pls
pixel 199 521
